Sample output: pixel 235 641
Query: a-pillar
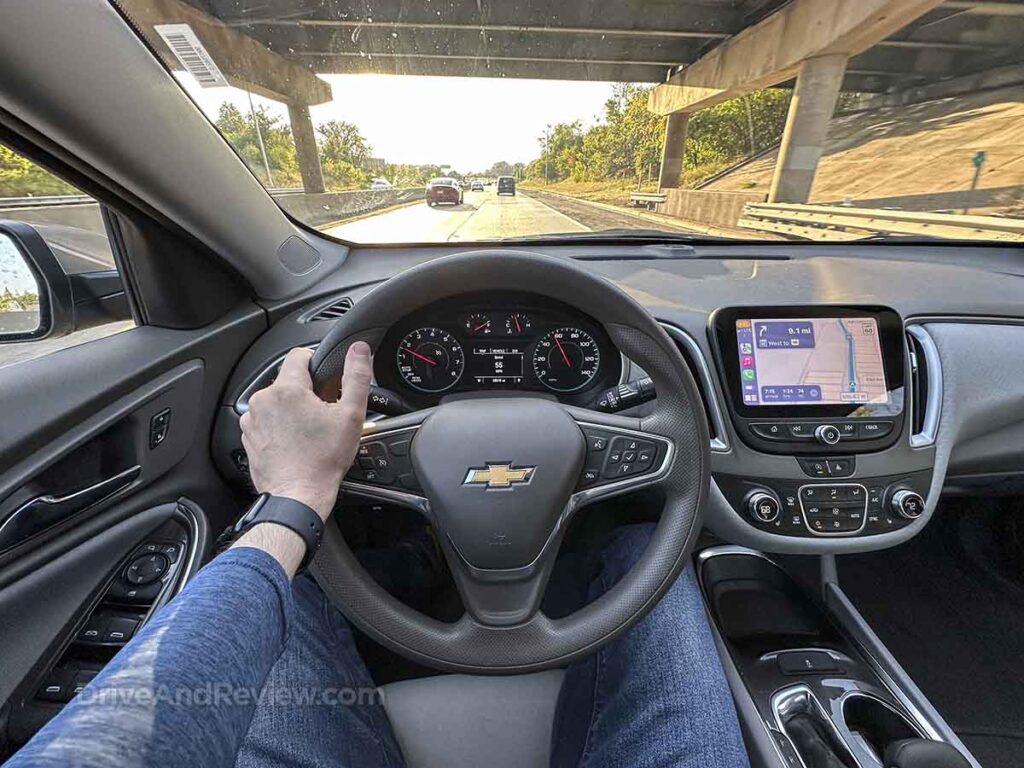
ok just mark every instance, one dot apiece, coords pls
pixel 305 148
pixel 810 111
pixel 673 150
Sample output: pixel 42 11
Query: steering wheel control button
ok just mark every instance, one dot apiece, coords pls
pixel 770 431
pixel 907 504
pixel 764 507
pixel 589 477
pixel 596 441
pixel 827 434
pixel 145 569
pixel 399 447
pixel 872 430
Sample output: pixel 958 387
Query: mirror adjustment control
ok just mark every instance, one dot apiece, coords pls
pixel 907 504
pixel 827 434
pixel 764 507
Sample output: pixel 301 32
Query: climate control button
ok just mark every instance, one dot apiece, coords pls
pixel 764 507
pixel 907 504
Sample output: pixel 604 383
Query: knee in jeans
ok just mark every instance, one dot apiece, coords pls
pixel 630 541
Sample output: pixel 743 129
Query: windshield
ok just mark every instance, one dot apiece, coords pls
pixel 685 119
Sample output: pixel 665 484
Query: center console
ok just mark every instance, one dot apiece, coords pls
pixel 820 400
pixel 808 677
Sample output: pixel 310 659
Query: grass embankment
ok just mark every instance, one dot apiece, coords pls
pixel 616 191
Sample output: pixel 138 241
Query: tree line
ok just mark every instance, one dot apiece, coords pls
pixel 626 141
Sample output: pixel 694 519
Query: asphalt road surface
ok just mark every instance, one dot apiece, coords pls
pixel 486 216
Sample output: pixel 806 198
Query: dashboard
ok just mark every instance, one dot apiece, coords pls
pixel 497 341
pixel 841 401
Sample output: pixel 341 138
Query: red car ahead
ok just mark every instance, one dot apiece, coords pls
pixel 444 190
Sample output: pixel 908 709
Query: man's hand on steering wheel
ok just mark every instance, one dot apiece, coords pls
pixel 299 446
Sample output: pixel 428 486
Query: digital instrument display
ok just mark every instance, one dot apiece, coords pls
pixel 810 361
pixel 496 364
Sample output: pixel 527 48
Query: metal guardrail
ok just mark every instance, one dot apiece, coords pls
pixel 836 222
pixel 50 201
pixel 646 199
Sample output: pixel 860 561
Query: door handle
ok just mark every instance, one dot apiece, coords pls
pixel 38 514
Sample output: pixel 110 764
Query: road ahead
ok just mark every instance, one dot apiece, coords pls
pixel 482 216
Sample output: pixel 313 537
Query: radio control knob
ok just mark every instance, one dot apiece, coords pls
pixel 826 434
pixel 907 504
pixel 764 507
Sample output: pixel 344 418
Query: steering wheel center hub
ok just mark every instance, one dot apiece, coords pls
pixel 498 473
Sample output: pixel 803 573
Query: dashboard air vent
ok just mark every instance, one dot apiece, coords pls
pixel 925 387
pixel 333 311
pixel 918 383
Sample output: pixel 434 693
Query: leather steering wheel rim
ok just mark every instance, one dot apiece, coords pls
pixel 678 419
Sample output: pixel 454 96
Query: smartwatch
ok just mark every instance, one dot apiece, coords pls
pixel 289 513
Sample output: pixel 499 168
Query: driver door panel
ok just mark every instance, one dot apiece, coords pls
pixel 103 447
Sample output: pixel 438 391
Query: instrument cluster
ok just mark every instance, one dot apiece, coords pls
pixel 497 342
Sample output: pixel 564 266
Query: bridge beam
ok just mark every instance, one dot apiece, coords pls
pixel 306 151
pixel 771 51
pixel 810 111
pixel 673 151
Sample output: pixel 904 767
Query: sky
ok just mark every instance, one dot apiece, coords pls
pixel 467 123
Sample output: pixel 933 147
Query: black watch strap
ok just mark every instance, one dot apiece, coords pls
pixel 289 513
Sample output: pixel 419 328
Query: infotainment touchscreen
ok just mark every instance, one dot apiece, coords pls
pixel 810 361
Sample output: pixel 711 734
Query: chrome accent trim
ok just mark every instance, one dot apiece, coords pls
pixel 803 513
pixel 795 696
pixel 259 381
pixel 37 509
pixel 195 534
pixel 719 444
pixel 933 404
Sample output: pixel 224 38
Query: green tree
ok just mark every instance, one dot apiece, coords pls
pixel 343 153
pixel 20 177
pixel 238 128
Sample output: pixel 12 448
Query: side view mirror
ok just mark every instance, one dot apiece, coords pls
pixel 39 299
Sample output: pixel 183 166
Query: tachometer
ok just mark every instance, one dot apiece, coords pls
pixel 430 360
pixel 566 359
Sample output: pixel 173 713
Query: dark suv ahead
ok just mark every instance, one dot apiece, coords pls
pixel 506 185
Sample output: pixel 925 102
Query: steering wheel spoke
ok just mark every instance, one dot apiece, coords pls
pixel 383 470
pixel 621 457
pixel 502 597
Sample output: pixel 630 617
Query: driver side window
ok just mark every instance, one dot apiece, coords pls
pixel 58 281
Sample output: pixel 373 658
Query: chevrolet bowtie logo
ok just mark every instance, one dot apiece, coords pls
pixel 498 475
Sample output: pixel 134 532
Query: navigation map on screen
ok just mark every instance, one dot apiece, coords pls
pixel 811 361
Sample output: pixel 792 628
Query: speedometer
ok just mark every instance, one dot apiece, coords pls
pixel 566 359
pixel 430 360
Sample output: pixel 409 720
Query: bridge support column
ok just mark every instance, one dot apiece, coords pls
pixel 306 151
pixel 814 101
pixel 673 150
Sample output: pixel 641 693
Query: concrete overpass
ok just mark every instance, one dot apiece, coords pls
pixel 700 52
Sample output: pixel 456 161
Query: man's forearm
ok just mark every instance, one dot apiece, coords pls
pixel 183 691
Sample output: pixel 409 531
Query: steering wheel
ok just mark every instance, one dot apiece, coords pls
pixel 502 476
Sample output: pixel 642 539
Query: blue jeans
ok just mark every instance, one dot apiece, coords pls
pixel 245 668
